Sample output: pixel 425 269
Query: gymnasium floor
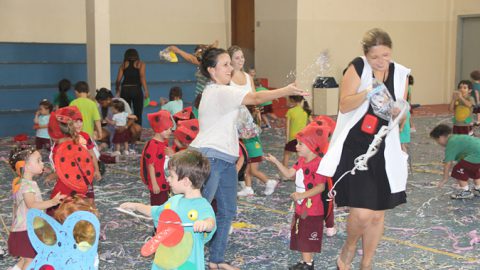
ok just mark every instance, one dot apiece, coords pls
pixel 431 231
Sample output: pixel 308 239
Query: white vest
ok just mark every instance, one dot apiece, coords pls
pixel 395 159
pixel 247 86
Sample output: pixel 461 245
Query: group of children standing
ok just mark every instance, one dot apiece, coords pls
pixel 69 132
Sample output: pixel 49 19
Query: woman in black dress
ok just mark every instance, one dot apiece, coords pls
pixel 132 71
pixel 367 193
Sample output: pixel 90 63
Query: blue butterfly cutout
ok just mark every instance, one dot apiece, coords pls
pixel 65 252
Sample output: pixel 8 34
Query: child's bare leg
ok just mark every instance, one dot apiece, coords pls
pixel 307 257
pixel 125 146
pixel 265 119
pixel 248 176
pixel 118 147
pixel 254 171
pixel 462 184
pixel 477 183
pixel 26 263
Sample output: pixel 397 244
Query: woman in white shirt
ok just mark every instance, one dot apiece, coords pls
pixel 218 141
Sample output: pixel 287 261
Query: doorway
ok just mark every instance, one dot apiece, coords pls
pixel 243 28
pixel 468 43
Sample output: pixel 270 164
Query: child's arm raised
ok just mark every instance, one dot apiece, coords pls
pixel 446 171
pixel 309 193
pixel 205 225
pixel 140 207
pixel 30 201
pixel 465 101
pixel 287 172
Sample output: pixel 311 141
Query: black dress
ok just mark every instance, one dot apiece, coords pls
pixel 366 189
pixel 132 90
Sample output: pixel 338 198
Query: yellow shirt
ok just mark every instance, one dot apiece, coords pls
pixel 89 111
pixel 297 119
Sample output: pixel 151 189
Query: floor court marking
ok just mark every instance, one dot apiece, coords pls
pixel 390 239
pixel 401 242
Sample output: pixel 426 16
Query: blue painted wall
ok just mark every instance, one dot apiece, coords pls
pixel 29 72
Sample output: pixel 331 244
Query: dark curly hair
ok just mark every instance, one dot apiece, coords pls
pixel 209 59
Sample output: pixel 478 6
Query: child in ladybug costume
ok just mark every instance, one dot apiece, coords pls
pixel 185 133
pixel 307 224
pixel 152 161
pixel 73 164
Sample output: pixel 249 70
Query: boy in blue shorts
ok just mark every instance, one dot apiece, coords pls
pixel 465 150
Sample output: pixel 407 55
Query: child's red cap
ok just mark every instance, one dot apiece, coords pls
pixel 323 120
pixel 184 114
pixel 70 113
pixel 315 138
pixel 160 121
pixel 186 131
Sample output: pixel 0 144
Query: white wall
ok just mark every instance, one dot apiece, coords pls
pixel 418 30
pixel 132 22
pixel 275 39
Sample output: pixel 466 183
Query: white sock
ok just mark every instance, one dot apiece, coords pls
pixel 477 187
pixel 16 268
pixel 465 187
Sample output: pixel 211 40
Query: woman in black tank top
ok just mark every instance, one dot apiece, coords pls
pixel 132 71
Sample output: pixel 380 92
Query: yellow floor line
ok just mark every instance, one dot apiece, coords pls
pixel 433 250
pixel 401 242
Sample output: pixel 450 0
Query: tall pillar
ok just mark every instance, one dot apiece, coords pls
pixel 98 44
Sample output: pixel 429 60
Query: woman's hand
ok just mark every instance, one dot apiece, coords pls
pixel 146 95
pixel 295 91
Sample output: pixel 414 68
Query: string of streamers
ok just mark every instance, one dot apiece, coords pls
pixel 360 163
pixel 149 218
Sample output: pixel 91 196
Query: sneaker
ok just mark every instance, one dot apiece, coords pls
pixel 476 192
pixel 463 194
pixel 242 185
pixel 247 191
pixel 302 266
pixel 116 153
pixel 126 153
pixel 132 152
pixel 331 231
pixel 270 187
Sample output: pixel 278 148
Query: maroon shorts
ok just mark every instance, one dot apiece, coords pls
pixel 107 159
pixel 19 245
pixel 462 130
pixel 121 136
pixel 158 199
pixel 465 170
pixel 255 159
pixel 306 234
pixel 42 143
pixel 267 109
pixel 291 146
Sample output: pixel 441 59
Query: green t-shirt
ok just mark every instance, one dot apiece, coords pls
pixel 463 147
pixel 261 88
pixel 297 119
pixel 254 147
pixel 56 100
pixel 476 88
pixel 89 111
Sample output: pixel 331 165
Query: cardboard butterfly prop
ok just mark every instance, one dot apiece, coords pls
pixel 60 250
